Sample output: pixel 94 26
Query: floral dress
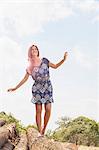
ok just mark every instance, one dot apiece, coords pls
pixel 42 90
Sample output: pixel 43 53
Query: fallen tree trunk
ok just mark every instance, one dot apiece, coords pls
pixel 34 142
pixel 8 146
pixel 31 135
pixel 42 143
pixel 4 135
pixel 6 132
pixel 2 122
pixel 23 142
pixel 70 146
pixel 80 147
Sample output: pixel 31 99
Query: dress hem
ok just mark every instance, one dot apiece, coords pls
pixel 40 102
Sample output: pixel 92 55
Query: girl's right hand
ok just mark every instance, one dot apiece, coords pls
pixel 65 55
pixel 11 89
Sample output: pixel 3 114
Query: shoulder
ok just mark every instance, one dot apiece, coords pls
pixel 45 60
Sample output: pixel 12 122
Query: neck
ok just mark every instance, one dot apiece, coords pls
pixel 35 58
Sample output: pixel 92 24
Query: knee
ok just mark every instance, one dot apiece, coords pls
pixel 38 111
pixel 48 110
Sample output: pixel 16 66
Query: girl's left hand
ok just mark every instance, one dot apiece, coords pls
pixel 65 55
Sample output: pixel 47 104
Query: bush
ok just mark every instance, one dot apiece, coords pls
pixel 82 131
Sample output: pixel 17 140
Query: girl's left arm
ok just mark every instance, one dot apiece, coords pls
pixel 55 66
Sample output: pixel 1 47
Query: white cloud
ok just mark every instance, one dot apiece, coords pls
pixel 25 18
pixel 85 5
pixel 12 61
pixel 88 7
pixel 22 18
pixel 12 68
pixel 10 52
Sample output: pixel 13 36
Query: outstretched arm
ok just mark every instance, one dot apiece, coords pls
pixel 55 66
pixel 20 83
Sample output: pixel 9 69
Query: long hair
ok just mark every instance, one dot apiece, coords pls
pixel 30 60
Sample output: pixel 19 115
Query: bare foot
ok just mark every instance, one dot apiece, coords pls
pixel 42 131
pixel 39 135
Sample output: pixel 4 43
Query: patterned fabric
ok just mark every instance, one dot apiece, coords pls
pixel 42 90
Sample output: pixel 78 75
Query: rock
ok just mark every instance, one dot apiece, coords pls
pixel 6 132
pixel 42 143
pixel 2 122
pixel 23 142
pixel 8 146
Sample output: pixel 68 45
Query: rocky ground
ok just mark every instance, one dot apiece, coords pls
pixel 9 140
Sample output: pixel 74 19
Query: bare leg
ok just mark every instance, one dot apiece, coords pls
pixel 38 116
pixel 46 116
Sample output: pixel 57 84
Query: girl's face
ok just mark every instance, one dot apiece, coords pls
pixel 34 51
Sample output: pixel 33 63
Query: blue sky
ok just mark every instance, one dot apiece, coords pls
pixel 58 26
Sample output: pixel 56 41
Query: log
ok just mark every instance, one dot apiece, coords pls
pixel 70 146
pixel 42 143
pixel 8 146
pixel 31 135
pixel 2 122
pixel 6 132
pixel 23 142
pixel 12 129
pixel 80 147
pixel 4 135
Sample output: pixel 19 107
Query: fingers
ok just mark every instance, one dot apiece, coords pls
pixel 10 90
pixel 66 53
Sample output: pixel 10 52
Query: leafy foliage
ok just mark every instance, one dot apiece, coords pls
pixel 9 118
pixel 31 126
pixel 82 131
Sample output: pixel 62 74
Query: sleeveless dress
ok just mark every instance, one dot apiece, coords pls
pixel 42 90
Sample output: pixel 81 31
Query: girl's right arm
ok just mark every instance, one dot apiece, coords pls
pixel 21 83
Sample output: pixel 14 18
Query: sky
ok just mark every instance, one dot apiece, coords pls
pixel 55 27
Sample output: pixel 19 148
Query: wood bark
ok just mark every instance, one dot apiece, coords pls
pixel 23 142
pixel 6 132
